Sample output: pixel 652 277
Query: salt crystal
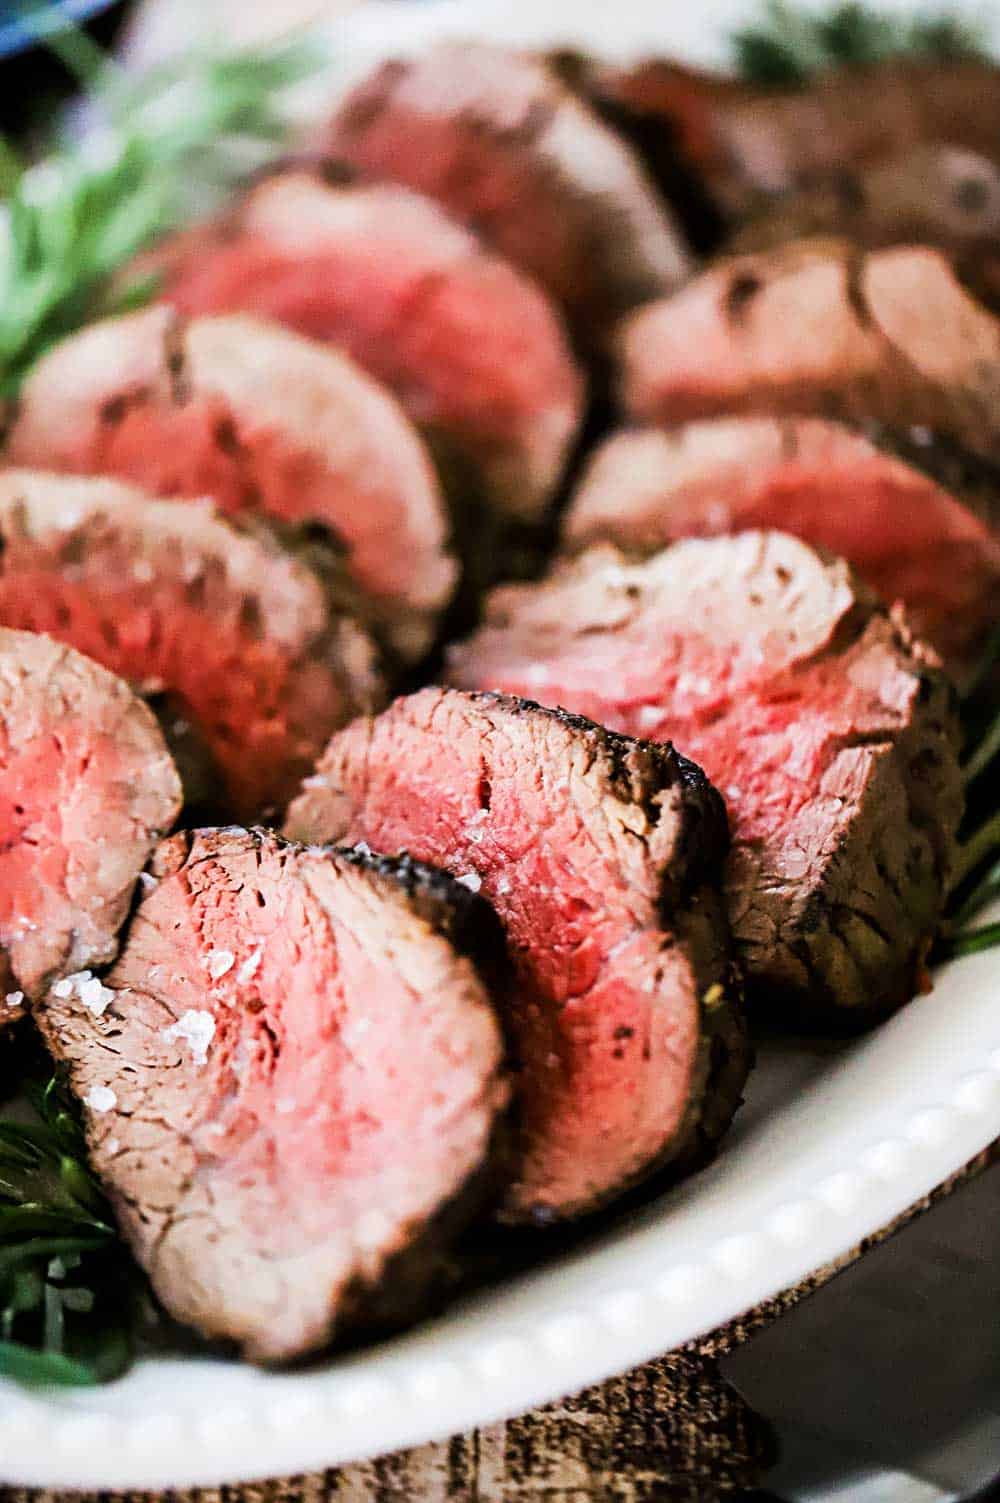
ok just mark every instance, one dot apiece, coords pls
pixel 249 968
pixel 63 988
pixel 503 886
pixel 537 675
pixel 363 848
pixel 148 882
pixel 649 717
pixel 14 999
pixel 95 996
pixel 113 1145
pixel 316 781
pixel 472 881
pixel 101 1098
pixel 733 793
pixel 197 1029
pixel 219 962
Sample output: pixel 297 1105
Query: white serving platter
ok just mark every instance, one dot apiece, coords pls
pixel 831 1145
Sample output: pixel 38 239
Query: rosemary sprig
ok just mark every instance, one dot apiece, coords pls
pixel 68 1290
pixel 789 44
pixel 168 144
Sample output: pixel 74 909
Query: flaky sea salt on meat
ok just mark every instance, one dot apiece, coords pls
pixel 219 962
pixel 101 1099
pixel 472 881
pixel 249 968
pixel 197 1028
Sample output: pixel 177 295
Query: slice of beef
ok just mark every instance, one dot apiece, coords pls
pixel 263 421
pixel 906 536
pixel 773 142
pixel 472 348
pixel 599 855
pixel 936 195
pixel 87 787
pixel 500 140
pixel 242 637
pixel 292 1088
pixel 818 327
pixel 829 730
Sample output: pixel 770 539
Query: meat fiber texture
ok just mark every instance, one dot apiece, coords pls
pixel 264 422
pixel 470 346
pixel 241 638
pixel 601 856
pixel 830 732
pixel 907 536
pixel 291 1089
pixel 87 788
pixel 818 327
pixel 506 147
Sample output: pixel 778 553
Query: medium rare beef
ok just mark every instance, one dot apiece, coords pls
pixel 936 195
pixel 471 347
pixel 600 856
pixel 264 422
pixel 242 637
pixel 292 1086
pixel 906 536
pixel 817 327
pixel 87 787
pixel 829 730
pixel 506 147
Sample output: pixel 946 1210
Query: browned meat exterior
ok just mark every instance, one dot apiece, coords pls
pixel 264 422
pixel 87 787
pixel 243 638
pixel 818 327
pixel 907 537
pixel 772 143
pixel 830 732
pixel 472 348
pixel 292 1083
pixel 936 195
pixel 599 854
pixel 506 147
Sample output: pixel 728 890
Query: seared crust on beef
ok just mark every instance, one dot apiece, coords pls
pixel 831 732
pixel 599 853
pixel 86 789
pixel 243 637
pixel 471 347
pixel 829 485
pixel 506 147
pixel 307 1083
pixel 264 422
pixel 818 327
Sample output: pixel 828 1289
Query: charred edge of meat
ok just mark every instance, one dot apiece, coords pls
pixel 467 920
pixel 652 138
pixel 972 477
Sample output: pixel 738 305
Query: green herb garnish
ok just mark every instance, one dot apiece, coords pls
pixel 168 144
pixel 789 45
pixel 68 1290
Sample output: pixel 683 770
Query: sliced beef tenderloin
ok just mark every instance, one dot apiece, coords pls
pixel 830 732
pixel 771 142
pixel 818 327
pixel 937 195
pixel 87 788
pixel 242 638
pixel 263 421
pixel 472 348
pixel 500 140
pixel 292 1088
pixel 906 535
pixel 600 856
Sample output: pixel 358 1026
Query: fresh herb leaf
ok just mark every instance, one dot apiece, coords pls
pixel 167 145
pixel 790 44
pixel 69 1293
